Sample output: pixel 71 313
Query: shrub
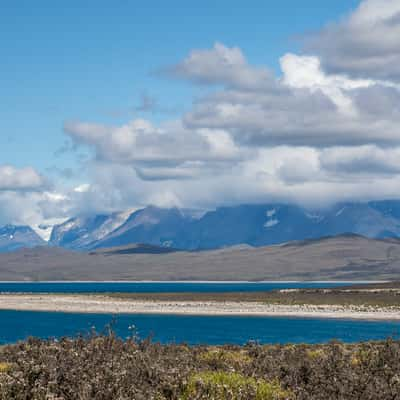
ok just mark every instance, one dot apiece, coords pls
pixel 219 385
pixel 108 368
pixel 220 358
pixel 315 354
pixel 5 367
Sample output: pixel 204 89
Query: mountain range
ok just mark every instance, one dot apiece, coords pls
pixel 253 225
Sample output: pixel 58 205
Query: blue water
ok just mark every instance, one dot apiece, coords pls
pixel 18 325
pixel 157 287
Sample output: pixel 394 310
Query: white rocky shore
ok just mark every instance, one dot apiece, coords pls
pixel 108 305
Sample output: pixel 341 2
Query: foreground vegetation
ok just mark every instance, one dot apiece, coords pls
pixel 104 367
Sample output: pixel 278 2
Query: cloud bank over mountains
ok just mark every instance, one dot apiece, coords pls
pixel 326 129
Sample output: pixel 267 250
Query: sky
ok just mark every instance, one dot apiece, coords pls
pixel 107 106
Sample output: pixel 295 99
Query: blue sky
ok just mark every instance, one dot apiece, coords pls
pixel 107 105
pixel 93 60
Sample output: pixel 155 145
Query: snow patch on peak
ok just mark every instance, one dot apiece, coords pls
pixel 69 225
pixel 111 224
pixel 271 213
pixel 167 243
pixel 270 223
pixel 45 229
pixel 315 217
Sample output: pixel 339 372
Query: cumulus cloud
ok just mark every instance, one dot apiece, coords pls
pixel 20 179
pixel 167 152
pixel 222 65
pixel 296 117
pixel 308 136
pixel 364 44
pixel 367 160
pixel 327 129
pixel 32 208
pixel 307 107
pixel 306 72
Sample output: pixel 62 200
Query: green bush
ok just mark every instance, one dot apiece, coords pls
pixel 220 358
pixel 219 385
pixel 5 367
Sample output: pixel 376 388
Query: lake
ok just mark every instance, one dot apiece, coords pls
pixel 18 325
pixel 157 287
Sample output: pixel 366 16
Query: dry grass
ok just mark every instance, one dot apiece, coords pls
pixel 339 296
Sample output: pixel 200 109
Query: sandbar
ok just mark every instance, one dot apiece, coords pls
pixel 101 304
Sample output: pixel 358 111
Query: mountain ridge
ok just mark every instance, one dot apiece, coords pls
pixel 247 224
pixel 252 224
pixel 13 237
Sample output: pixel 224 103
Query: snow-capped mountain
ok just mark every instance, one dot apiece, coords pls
pixel 82 232
pixel 151 225
pixel 254 225
pixel 13 237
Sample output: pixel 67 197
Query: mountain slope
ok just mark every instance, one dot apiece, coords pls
pixel 151 225
pixel 13 237
pixel 254 225
pixel 82 232
pixel 368 219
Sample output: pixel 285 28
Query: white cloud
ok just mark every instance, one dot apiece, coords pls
pixel 367 160
pixel 328 129
pixel 364 44
pixel 309 136
pixel 20 179
pixel 170 151
pixel 32 208
pixel 305 72
pixel 222 65
pixel 84 187
pixel 306 107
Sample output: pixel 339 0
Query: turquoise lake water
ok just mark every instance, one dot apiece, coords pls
pixel 18 325
pixel 154 287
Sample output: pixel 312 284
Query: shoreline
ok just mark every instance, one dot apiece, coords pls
pixel 98 304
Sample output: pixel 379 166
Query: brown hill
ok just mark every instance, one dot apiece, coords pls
pixel 345 257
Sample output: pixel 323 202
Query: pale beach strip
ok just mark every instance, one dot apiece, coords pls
pixel 105 305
